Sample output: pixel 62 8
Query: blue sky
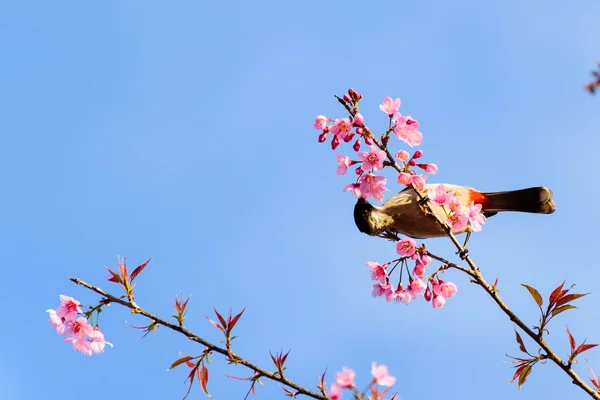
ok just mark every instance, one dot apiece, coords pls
pixel 183 132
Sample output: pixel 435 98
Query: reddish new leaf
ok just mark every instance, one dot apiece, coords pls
pixel 568 298
pixel 203 377
pixel 520 342
pixel 523 376
pixel 180 361
pixel 219 327
pixel 221 319
pixel 558 310
pixel 556 293
pixel 115 276
pixel 571 341
pixel 584 347
pixel 235 319
pixel 518 372
pixel 139 269
pixel 535 294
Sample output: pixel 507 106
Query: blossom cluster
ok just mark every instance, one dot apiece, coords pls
pixel 76 330
pixel 345 381
pixel 457 215
pixel 432 289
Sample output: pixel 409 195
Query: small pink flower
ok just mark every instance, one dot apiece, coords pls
pixel 406 129
pixel 381 289
pixel 425 259
pixel 68 309
pixel 97 342
pixel 457 221
pixel 79 327
pixel 418 182
pixel 80 344
pixel 406 247
pixel 354 188
pixel 440 196
pixel 419 269
pixel 343 163
pixel 455 205
pixel 447 289
pixel 381 375
pixel 321 122
pixel 373 159
pixel 359 119
pixel 56 321
pixel 417 286
pixel 429 168
pixel 402 156
pixel 341 128
pixel 390 106
pixel 400 296
pixel 438 302
pixel 378 272
pixel 335 392
pixel 345 378
pixel 476 218
pixel 372 186
pixel 404 178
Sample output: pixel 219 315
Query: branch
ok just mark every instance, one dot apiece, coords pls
pixel 275 376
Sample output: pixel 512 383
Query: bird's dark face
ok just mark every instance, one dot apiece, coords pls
pixel 362 216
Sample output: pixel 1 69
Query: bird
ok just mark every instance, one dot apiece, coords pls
pixel 401 214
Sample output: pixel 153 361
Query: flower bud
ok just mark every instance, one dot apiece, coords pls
pixel 347 98
pixel 428 294
pixel 358 170
pixel 335 142
pixel 323 137
pixel 348 137
pixel 353 94
pixel 412 163
pixel 356 145
pixel 385 140
pixel 368 140
pixel 359 119
pixel 418 154
pixel 360 131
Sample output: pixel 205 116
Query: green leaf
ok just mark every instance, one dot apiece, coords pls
pixel 535 294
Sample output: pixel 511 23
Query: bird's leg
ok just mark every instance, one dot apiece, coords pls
pixel 389 235
pixel 463 254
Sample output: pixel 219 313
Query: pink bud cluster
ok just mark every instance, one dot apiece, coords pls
pixel 368 184
pixel 77 330
pixel 345 381
pixel 432 289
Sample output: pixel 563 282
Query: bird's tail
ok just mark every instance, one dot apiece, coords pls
pixel 536 200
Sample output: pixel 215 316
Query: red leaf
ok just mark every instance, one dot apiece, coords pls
pixel 115 276
pixel 180 361
pixel 535 294
pixel 203 377
pixel 558 310
pixel 520 342
pixel 221 319
pixel 219 327
pixel 517 373
pixel 584 347
pixel 235 320
pixel 555 294
pixel 524 375
pixel 571 341
pixel 139 269
pixel 568 298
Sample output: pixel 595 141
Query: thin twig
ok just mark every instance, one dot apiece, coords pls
pixel 275 376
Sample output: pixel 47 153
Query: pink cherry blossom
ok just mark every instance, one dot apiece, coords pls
pixel 406 247
pixel 418 182
pixel 440 196
pixel 381 375
pixel 80 344
pixel 79 327
pixel 341 128
pixel 359 119
pixel 345 378
pixel 438 302
pixel 321 122
pixel 429 168
pixel 68 309
pixel 335 392
pixel 406 129
pixel 343 163
pixel 390 106
pixel 455 205
pixel 378 272
pixel 97 342
pixel 401 296
pixel 417 286
pixel 425 259
pixel 381 289
pixel 476 218
pixel 354 188
pixel 372 186
pixel 56 321
pixel 457 221
pixel 447 289
pixel 373 159
pixel 404 178
pixel 402 155
pixel 419 269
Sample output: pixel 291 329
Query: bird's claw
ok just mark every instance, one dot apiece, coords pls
pixel 423 201
pixel 390 236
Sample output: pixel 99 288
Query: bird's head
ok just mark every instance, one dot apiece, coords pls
pixel 362 216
